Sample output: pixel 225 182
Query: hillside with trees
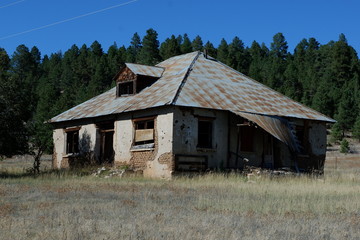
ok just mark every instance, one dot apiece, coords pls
pixel 35 88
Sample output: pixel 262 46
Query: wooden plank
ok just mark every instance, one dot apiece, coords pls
pixel 144 135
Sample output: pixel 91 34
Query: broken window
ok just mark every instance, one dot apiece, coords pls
pixel 144 131
pixel 205 127
pixel 247 138
pixel 72 141
pixel 125 88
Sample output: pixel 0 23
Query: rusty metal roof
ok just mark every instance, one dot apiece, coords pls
pixel 151 71
pixel 195 81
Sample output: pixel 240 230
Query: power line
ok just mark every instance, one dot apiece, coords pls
pixel 10 4
pixel 67 20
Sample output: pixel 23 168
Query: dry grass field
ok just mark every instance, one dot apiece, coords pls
pixel 64 205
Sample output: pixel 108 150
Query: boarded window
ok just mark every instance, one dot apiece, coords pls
pixel 144 131
pixel 247 138
pixel 125 88
pixel 72 141
pixel 205 127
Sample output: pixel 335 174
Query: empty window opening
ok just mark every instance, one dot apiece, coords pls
pixel 72 141
pixel 125 88
pixel 106 131
pixel 144 131
pixel 247 138
pixel 205 129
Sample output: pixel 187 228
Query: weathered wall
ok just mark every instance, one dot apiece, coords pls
pixel 155 162
pixel 186 134
pixel 59 147
pixel 87 143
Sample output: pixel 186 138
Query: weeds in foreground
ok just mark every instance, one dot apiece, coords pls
pixel 66 204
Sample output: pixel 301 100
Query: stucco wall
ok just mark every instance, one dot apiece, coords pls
pixel 155 162
pixel 186 134
pixel 87 142
pixel 59 147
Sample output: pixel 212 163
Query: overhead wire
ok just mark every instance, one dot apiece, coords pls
pixel 11 4
pixel 67 20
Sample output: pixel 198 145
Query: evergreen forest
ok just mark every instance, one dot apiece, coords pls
pixel 35 88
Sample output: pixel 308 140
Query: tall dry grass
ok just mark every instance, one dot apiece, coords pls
pixel 63 205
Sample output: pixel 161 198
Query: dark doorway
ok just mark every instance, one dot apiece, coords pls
pixel 107 153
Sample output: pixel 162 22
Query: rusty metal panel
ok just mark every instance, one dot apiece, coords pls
pixel 139 69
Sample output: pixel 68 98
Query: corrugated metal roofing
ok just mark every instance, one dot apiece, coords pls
pixel 195 81
pixel 139 69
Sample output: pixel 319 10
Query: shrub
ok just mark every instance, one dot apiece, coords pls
pixel 344 146
pixel 336 133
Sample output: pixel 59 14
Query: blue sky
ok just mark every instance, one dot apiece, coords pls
pixel 48 24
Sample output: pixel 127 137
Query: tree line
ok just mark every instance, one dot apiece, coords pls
pixel 33 88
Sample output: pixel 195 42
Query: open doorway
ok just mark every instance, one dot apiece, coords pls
pixel 106 132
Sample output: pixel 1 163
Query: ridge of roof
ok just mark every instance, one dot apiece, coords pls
pixel 173 102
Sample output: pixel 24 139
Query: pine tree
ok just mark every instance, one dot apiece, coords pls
pixel 347 110
pixel 197 44
pixel 134 49
pixel 238 57
pixel 276 64
pixel 336 133
pixel 13 133
pixel 185 46
pixel 149 53
pixel 170 48
pixel 211 50
pixel 257 62
pixel 223 51
pixel 356 129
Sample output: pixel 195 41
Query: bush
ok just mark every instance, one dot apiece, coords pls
pixel 344 146
pixel 336 133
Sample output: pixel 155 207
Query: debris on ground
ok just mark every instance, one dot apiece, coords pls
pixel 108 172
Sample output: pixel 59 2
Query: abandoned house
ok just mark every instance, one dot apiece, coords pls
pixel 190 112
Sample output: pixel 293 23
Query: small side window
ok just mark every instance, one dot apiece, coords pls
pixel 144 131
pixel 125 88
pixel 72 141
pixel 205 127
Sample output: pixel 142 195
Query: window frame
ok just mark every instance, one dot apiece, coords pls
pixel 210 133
pixel 149 124
pixel 118 88
pixel 75 141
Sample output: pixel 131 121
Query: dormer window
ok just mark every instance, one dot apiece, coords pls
pixel 134 78
pixel 125 88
